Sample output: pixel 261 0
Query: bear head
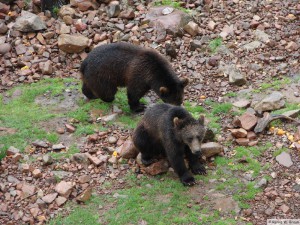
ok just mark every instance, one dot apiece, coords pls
pixel 191 132
pixel 173 95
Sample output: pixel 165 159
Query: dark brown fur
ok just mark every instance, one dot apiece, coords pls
pixel 172 131
pixel 125 65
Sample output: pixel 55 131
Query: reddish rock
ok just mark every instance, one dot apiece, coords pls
pixel 238 133
pixel 34 212
pixel 49 198
pixel 93 137
pixel 16 157
pixel 27 190
pixel 211 25
pixel 242 141
pixel 210 149
pixel 80 26
pixel 25 168
pixel 192 28
pixel 84 179
pixel 156 168
pixel 292 46
pixel 284 208
pixel 128 150
pixel 12 151
pixel 128 14
pixel 64 188
pixel 85 195
pixel 95 160
pixel 86 5
pixel 37 173
pixel 4 8
pixel 248 121
pixel 251 135
pixel 70 128
pixel 60 200
pixel 252 143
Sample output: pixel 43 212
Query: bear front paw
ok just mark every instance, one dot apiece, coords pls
pixel 148 162
pixel 139 108
pixel 188 180
pixel 199 169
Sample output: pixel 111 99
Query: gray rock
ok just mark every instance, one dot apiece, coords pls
pixel 284 159
pixel 110 117
pixel 61 174
pixel 261 36
pixel 113 10
pixel 5 48
pixel 47 160
pixel 72 43
pixel 40 143
pixel 273 101
pixel 191 28
pixel 12 151
pixel 242 103
pixel 81 158
pixel 252 45
pixel 3 28
pixel 195 44
pixel 226 205
pixel 235 76
pixel 29 22
pixel 262 183
pixel 296 187
pixel 58 147
pixel 66 10
pixel 12 179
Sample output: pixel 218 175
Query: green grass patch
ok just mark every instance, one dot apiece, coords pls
pixel 215 44
pixel 279 151
pixel 71 151
pixel 173 3
pixel 274 84
pixel 231 94
pixel 222 108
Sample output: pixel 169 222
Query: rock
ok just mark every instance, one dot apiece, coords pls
pixel 252 45
pixel 80 158
pixel 36 173
pixel 213 61
pixel 247 121
pixel 195 44
pixel 95 160
pixel 247 212
pixel 110 117
pixel 292 113
pixel 34 211
pixel 262 183
pixel 296 187
pixel 211 25
pixel 5 48
pixel 58 147
pixel 284 208
pixel 72 43
pixel 25 168
pixel 80 26
pixel 16 157
pixel 113 160
pixel 292 46
pixel 85 195
pixel 210 149
pixel 47 160
pixel 273 101
pixel 60 200
pixel 172 23
pixel 61 174
pixel 86 5
pixel 84 179
pixel 70 128
pixel 68 21
pixel 29 22
pixel 139 159
pixel 270 211
pixel 4 7
pixel 235 77
pixel 12 151
pixel 243 103
pixel 47 68
pixel 191 28
pixel 127 14
pixel 64 29
pixel 238 133
pixel 112 140
pixel 66 10
pixel 12 179
pixel 251 135
pixel 128 150
pixel 156 168
pixel 40 143
pixel 171 50
pixel 113 10
pixel 284 159
pixel 261 36
pixel 242 141
pixel 64 188
pixel 49 198
pixel 28 190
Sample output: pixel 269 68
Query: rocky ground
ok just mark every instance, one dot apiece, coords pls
pixel 240 52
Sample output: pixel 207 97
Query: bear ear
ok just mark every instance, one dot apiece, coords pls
pixel 184 81
pixel 201 119
pixel 163 90
pixel 176 121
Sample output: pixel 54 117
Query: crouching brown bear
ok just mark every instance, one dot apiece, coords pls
pixel 110 66
pixel 171 131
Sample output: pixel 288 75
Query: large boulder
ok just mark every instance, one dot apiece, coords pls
pixel 29 22
pixel 72 43
pixel 172 23
pixel 271 102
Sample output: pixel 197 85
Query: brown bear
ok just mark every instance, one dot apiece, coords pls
pixel 108 67
pixel 171 131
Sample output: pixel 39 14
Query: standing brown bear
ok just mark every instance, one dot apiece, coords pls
pixel 173 132
pixel 110 66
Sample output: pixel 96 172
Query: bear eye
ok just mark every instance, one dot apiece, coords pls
pixel 190 139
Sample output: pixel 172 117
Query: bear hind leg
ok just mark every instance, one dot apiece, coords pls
pixel 142 140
